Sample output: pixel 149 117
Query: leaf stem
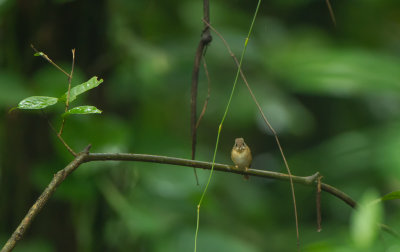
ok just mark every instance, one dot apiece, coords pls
pixel 44 56
pixel 69 91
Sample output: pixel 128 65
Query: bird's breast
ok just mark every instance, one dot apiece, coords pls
pixel 241 159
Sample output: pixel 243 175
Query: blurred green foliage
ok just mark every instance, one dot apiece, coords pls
pixel 364 228
pixel 332 94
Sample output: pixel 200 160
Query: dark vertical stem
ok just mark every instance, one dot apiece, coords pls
pixel 204 41
pixel 203 111
pixel 331 12
pixel 318 204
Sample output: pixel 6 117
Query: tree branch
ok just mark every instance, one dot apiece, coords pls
pixel 85 156
pixel 307 180
pixel 58 178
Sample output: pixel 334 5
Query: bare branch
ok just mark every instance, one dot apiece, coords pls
pixel 85 156
pixel 58 178
pixel 308 180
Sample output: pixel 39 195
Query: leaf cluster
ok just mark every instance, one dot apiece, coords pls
pixel 41 102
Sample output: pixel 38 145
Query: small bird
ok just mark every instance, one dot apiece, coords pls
pixel 241 155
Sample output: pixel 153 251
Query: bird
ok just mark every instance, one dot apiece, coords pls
pixel 241 156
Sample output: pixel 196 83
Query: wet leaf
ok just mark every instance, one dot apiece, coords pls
pixel 37 102
pixel 81 88
pixel 82 110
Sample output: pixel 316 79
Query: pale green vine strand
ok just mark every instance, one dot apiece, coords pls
pixel 222 121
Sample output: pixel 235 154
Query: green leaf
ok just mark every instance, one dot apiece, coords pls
pixel 38 54
pixel 364 225
pixel 391 196
pixel 82 110
pixel 37 102
pixel 81 88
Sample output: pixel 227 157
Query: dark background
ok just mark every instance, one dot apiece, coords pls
pixel 332 94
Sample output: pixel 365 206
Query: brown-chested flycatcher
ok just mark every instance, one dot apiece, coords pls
pixel 241 155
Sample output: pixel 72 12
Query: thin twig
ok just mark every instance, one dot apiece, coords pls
pixel 389 230
pixel 269 126
pixel 69 91
pixel 328 3
pixel 203 111
pixel 58 178
pixel 200 51
pixel 44 56
pixel 66 145
pixel 58 136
